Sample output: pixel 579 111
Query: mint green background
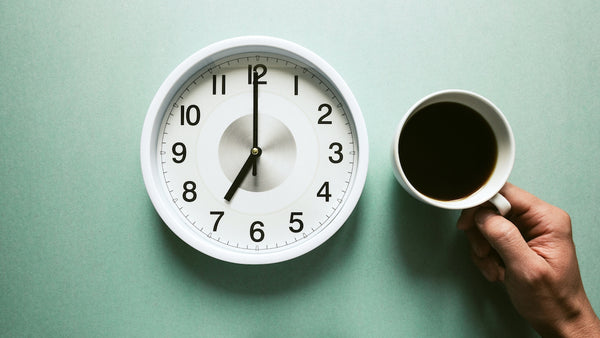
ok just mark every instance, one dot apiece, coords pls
pixel 83 253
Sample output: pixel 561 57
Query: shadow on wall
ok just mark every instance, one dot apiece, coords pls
pixel 435 253
pixel 265 279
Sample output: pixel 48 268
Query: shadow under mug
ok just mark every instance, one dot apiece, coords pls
pixel 505 143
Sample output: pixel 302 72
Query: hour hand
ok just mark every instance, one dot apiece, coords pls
pixel 250 162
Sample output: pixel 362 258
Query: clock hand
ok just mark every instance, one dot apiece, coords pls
pixel 254 117
pixel 254 154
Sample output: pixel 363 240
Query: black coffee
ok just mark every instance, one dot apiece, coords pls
pixel 447 151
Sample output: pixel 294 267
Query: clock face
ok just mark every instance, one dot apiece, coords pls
pixel 256 152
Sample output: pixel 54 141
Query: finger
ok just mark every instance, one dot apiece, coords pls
pixel 503 236
pixel 489 267
pixel 478 243
pixel 480 246
pixel 534 216
pixel 520 200
pixel 466 221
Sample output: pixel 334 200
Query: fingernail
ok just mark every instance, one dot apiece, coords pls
pixel 487 274
pixel 480 249
pixel 476 249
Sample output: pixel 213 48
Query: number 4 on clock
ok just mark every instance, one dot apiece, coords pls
pixel 324 191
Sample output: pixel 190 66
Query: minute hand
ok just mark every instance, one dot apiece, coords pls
pixel 254 117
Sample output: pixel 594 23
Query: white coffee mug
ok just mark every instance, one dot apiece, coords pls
pixel 505 143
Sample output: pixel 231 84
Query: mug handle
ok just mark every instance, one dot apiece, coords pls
pixel 501 203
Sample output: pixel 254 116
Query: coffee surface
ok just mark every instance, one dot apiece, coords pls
pixel 447 151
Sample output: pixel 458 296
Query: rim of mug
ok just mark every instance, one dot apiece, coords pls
pixel 487 190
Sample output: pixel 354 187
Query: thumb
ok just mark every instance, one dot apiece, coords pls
pixel 504 237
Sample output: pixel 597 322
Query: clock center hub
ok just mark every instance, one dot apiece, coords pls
pixel 276 144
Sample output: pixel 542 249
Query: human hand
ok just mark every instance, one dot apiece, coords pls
pixel 532 253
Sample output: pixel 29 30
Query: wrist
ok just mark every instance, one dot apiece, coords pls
pixel 583 323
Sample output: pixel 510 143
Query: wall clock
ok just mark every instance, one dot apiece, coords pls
pixel 254 150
